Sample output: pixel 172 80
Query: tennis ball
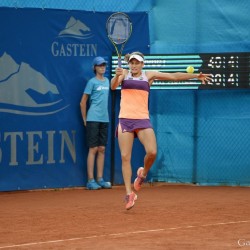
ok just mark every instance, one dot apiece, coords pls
pixel 190 69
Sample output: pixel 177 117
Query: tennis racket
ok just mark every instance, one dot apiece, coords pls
pixel 119 29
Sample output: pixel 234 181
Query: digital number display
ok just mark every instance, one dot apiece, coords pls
pixel 228 70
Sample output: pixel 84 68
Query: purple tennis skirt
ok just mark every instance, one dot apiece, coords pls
pixel 133 125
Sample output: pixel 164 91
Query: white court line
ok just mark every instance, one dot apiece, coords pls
pixel 123 234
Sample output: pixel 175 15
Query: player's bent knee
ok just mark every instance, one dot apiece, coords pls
pixel 152 154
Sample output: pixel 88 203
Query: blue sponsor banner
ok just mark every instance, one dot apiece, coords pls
pixel 45 61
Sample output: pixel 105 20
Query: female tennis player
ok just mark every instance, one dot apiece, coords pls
pixel 134 116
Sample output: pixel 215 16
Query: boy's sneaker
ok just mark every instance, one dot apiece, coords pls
pixel 103 183
pixel 92 185
pixel 130 200
pixel 139 180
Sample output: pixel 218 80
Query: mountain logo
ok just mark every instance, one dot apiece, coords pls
pixel 77 29
pixel 25 91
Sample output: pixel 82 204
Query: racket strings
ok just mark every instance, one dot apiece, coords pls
pixel 119 28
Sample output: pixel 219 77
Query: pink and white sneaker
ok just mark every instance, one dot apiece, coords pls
pixel 139 180
pixel 130 200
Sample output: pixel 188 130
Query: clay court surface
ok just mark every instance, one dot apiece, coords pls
pixel 164 217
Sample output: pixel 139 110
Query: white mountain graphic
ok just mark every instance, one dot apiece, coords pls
pixel 7 67
pixel 75 28
pixel 21 86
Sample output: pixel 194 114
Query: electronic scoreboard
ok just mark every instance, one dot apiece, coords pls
pixel 228 70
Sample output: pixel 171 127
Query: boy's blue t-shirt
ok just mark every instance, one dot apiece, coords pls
pixel 98 92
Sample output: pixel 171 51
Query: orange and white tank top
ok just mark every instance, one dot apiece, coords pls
pixel 134 97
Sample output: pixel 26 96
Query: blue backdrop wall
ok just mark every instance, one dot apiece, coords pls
pixel 178 26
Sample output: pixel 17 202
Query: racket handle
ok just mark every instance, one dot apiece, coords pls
pixel 119 61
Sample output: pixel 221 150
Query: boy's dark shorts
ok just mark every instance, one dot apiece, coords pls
pixel 97 134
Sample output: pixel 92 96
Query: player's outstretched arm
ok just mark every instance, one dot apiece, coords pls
pixel 178 76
